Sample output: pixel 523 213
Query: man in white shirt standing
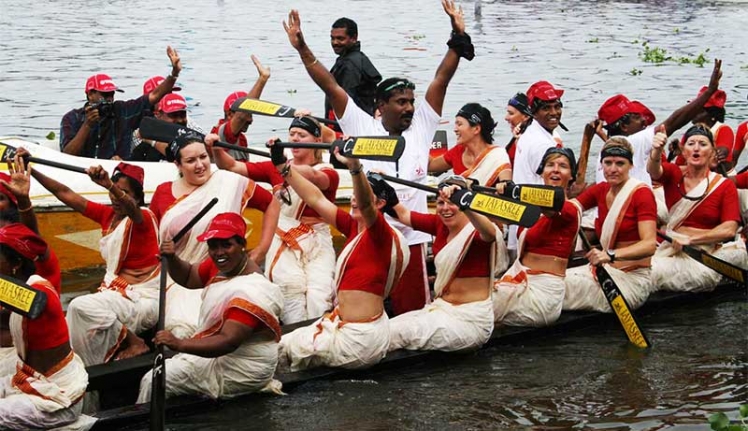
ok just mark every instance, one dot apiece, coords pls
pixel 395 101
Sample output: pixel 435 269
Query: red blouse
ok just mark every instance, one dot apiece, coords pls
pixel 641 208
pixel 554 236
pixel 454 158
pixel 49 329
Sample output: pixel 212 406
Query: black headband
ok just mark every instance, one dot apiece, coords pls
pixel 172 152
pixel 566 152
pixel 519 101
pixel 616 151
pixel 472 115
pixel 307 124
pixel 699 131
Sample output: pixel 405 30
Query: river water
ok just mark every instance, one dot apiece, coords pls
pixel 591 49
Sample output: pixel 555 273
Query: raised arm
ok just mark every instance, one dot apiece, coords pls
pixel 654 161
pixel 263 76
pixel 165 87
pixel 483 225
pixel 61 191
pixel 686 113
pixel 223 159
pixel 181 271
pixel 459 45
pixel 101 177
pixel 320 75
pixel 20 185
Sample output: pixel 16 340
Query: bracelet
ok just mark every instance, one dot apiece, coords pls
pixel 25 209
pixel 356 171
pixel 173 76
pixel 311 64
pixel 153 143
pixel 286 170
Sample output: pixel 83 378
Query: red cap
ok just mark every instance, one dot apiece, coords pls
pixel 154 82
pixel 231 99
pixel 225 226
pixel 543 90
pixel 172 103
pixel 101 83
pixel 4 190
pixel 717 100
pixel 135 172
pixel 23 240
pixel 619 105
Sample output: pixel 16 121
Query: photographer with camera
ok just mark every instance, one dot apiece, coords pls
pixel 102 128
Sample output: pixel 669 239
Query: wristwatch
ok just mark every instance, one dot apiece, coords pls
pixel 611 254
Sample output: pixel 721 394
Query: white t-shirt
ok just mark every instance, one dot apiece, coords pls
pixel 641 142
pixel 531 147
pixel 413 164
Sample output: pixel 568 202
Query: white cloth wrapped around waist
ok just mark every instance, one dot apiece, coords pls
pixel 583 292
pixel 524 297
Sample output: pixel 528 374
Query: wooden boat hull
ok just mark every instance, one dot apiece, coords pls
pixel 117 380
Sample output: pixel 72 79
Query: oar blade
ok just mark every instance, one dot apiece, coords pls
pixel 162 131
pixel 621 308
pixel 21 298
pixel 382 148
pixel 724 268
pixel 261 107
pixel 550 197
pixel 507 210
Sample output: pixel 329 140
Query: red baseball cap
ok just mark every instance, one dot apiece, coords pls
pixel 4 190
pixel 23 240
pixel 619 105
pixel 717 100
pixel 154 82
pixel 172 103
pixel 102 83
pixel 232 98
pixel 225 226
pixel 544 91
pixel 135 172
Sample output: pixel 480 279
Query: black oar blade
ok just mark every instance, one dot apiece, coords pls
pixel 162 131
pixel 723 267
pixel 21 298
pixel 383 148
pixel 504 209
pixel 621 308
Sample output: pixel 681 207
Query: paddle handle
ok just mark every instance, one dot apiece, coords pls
pixel 585 241
pixel 195 219
pixel 58 165
pixel 313 145
pixel 242 149
pixel 408 183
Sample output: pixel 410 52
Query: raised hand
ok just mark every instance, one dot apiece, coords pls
pixel 263 71
pixel 100 176
pixel 716 75
pixel 293 29
pixel 20 177
pixel 176 62
pixel 456 16
pixel 351 163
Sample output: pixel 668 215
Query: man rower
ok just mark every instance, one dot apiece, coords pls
pixel 399 117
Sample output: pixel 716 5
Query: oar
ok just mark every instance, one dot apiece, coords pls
pixel 163 131
pixel 618 303
pixel 743 169
pixel 158 387
pixel 550 197
pixel 488 205
pixel 723 267
pixel 384 148
pixel 7 153
pixel 21 298
pixel 261 107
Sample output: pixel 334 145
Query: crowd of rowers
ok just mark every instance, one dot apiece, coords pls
pixel 224 312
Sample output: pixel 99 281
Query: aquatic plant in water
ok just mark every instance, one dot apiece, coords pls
pixel 720 421
pixel 659 55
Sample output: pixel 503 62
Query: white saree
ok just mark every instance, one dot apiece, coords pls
pixel 488 166
pixel 442 325
pixel 99 322
pixel 583 292
pixel 247 369
pixel 333 342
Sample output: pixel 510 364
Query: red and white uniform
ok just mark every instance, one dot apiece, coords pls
pixel 486 168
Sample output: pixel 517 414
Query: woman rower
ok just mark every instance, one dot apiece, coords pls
pixel 176 202
pixel 356 334
pixel 517 115
pixel 474 156
pixel 468 250
pixel 104 325
pixel 704 212
pixel 301 257
pixel 626 226
pixel 531 292
pixel 47 385
pixel 235 350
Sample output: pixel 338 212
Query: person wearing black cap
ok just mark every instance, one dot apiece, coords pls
pixel 399 116
pixel 301 257
pixel 517 116
pixel 356 334
pixel 531 292
pixel 475 156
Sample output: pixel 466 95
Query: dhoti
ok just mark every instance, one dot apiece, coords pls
pixel 680 273
pixel 332 342
pixel 443 326
pixel 523 297
pixel 584 293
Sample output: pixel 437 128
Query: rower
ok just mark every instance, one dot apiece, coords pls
pixel 517 115
pixel 356 334
pixel 235 350
pixel 712 114
pixel 468 250
pixel 704 212
pixel 301 258
pixel 399 116
pixel 474 156
pixel 47 385
pixel 232 127
pixel 626 226
pixel 531 292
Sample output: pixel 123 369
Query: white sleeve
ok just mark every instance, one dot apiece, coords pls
pixel 356 122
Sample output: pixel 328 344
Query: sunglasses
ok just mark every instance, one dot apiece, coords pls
pixel 404 84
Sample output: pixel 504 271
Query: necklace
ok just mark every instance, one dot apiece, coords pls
pixel 244 267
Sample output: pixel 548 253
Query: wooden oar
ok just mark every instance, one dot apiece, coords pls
pixel 618 303
pixel 21 298
pixel 163 131
pixel 384 148
pixel 158 387
pixel 7 153
pixel 489 205
pixel 733 272
pixel 550 197
pixel 261 107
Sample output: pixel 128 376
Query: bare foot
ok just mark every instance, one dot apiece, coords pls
pixel 133 346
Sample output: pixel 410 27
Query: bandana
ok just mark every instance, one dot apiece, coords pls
pixel 699 131
pixel 470 113
pixel 307 124
pixel 519 101
pixel 566 152
pixel 617 152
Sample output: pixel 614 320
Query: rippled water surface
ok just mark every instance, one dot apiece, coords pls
pixel 587 380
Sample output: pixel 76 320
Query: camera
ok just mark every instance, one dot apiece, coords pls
pixel 106 109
